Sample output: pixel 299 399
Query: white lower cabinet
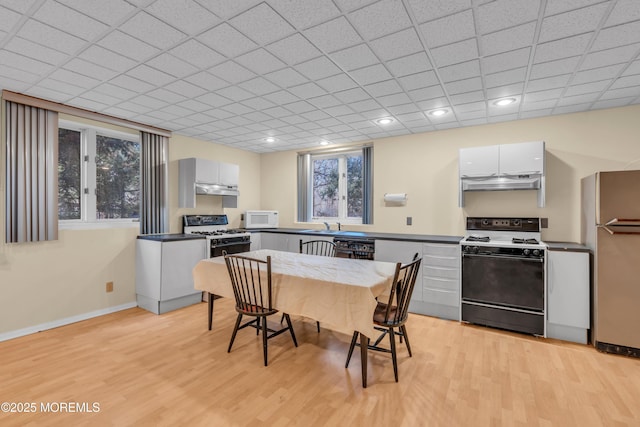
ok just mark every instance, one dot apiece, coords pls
pixel 568 295
pixel 441 280
pixel 275 241
pixel 401 251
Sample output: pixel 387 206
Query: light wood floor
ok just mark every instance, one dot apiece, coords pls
pixel 144 369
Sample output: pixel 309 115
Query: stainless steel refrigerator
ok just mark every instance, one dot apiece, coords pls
pixel 611 229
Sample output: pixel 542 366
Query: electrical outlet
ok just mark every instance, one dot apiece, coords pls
pixel 109 286
pixel 409 220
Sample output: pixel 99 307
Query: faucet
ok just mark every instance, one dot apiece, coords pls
pixel 326 224
pixel 339 227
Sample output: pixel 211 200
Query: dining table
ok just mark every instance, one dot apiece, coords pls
pixel 340 293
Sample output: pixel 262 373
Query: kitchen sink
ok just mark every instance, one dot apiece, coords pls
pixel 322 231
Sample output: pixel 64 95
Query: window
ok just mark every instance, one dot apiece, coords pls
pixel 98 174
pixel 335 186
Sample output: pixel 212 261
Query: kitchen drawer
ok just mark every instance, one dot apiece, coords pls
pixel 434 249
pixel 439 296
pixel 442 272
pixel 441 283
pixel 441 261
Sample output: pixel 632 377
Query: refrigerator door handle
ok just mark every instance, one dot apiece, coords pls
pixel 622 226
pixel 624 222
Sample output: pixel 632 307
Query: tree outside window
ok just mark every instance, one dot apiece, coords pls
pixel 337 186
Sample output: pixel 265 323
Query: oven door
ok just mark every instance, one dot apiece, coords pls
pixel 231 248
pixel 508 281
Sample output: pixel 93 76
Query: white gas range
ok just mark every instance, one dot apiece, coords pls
pixel 504 274
pixel 219 237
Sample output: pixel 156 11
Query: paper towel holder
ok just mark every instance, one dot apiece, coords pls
pixel 395 199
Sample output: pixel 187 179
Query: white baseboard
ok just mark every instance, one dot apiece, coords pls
pixel 66 321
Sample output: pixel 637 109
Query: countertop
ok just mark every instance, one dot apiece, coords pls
pixel 170 237
pixel 567 246
pixel 360 234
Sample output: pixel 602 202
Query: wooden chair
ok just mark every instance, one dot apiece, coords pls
pixel 393 314
pixel 251 282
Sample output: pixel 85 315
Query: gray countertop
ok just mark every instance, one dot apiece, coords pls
pixel 567 246
pixel 359 234
pixel 170 237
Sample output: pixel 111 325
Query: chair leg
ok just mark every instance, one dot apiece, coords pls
pixel 264 338
pixel 353 345
pixel 392 341
pixel 210 305
pixel 318 326
pixel 293 335
pixel 406 338
pixel 235 331
pixel 282 319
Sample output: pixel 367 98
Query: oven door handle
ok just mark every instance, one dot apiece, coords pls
pixel 224 245
pixel 539 260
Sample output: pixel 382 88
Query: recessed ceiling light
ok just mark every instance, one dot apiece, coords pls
pixel 438 112
pixel 324 142
pixel 384 121
pixel 270 139
pixel 504 101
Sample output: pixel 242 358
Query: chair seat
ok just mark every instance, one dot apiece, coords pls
pixel 380 315
pixel 255 310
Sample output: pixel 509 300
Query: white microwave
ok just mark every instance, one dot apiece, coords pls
pixel 261 219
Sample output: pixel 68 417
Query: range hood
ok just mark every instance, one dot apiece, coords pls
pixel 520 182
pixel 216 189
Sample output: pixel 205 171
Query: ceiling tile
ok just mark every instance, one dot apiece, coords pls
pixel 69 20
pixel 612 103
pixel 339 110
pixel 286 77
pixel 380 19
pixel 234 93
pixel 214 100
pixel 505 77
pixel 170 64
pixel 150 75
pixel 371 74
pixel 114 91
pixel 35 51
pixel 259 86
pixel 544 95
pixel 10 73
pixel 260 61
pixel 617 36
pixel 418 80
pixel 554 68
pixel 53 95
pixel 318 68
pixel 227 40
pixel 128 46
pixel 505 90
pixel 433 9
pixel 472 106
pixel 548 83
pixel 596 74
pixel 86 68
pixel 633 68
pixel 502 14
pixel 505 61
pixel 110 12
pixel 426 93
pixel 299 107
pixel 231 72
pixel 305 14
pixel 294 49
pixel 281 97
pixel 62 87
pixel 611 56
pixel 592 87
pixel 383 88
pixel 621 93
pixel 506 40
pixel 460 98
pixel 411 64
pixel 579 99
pixel 185 88
pixel 572 23
pixel 324 101
pixel 352 95
pixel 461 86
pixel 402 43
pixel 50 37
pixel 562 48
pixel 623 11
pixel 151 30
pixel 262 24
pixel 349 5
pixel 538 105
pixel 449 29
pixel 554 7
pixel 337 83
pixel 131 83
pixel 258 104
pixel 333 35
pixel 206 81
pixel 354 57
pixel 23 63
pixel 455 53
pixel 307 90
pixel 18 5
pixel 627 81
pixel 393 100
pixel 185 15
pixel 460 71
pixel 197 54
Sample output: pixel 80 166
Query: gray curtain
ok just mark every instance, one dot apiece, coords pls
pixel 367 185
pixel 304 185
pixel 154 211
pixel 31 174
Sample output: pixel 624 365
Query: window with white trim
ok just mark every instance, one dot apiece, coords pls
pixel 98 175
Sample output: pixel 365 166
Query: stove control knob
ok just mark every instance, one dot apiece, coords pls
pixel 475 249
pixel 485 221
pixel 526 252
pixel 536 252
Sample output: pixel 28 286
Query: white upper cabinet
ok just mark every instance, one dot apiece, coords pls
pixel 205 170
pixel 479 161
pixel 229 174
pixel 526 158
pixel 202 176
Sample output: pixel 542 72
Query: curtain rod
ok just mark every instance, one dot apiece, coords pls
pixel 32 101
pixel 336 149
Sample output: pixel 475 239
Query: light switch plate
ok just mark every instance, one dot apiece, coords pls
pixel 409 220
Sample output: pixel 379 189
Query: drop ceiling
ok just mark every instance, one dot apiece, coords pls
pixel 235 72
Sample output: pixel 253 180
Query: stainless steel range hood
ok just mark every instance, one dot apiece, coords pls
pixel 216 189
pixel 522 182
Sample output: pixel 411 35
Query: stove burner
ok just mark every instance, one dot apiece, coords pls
pixel 527 241
pixel 478 239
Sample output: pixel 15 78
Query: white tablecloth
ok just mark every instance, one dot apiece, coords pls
pixel 338 292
